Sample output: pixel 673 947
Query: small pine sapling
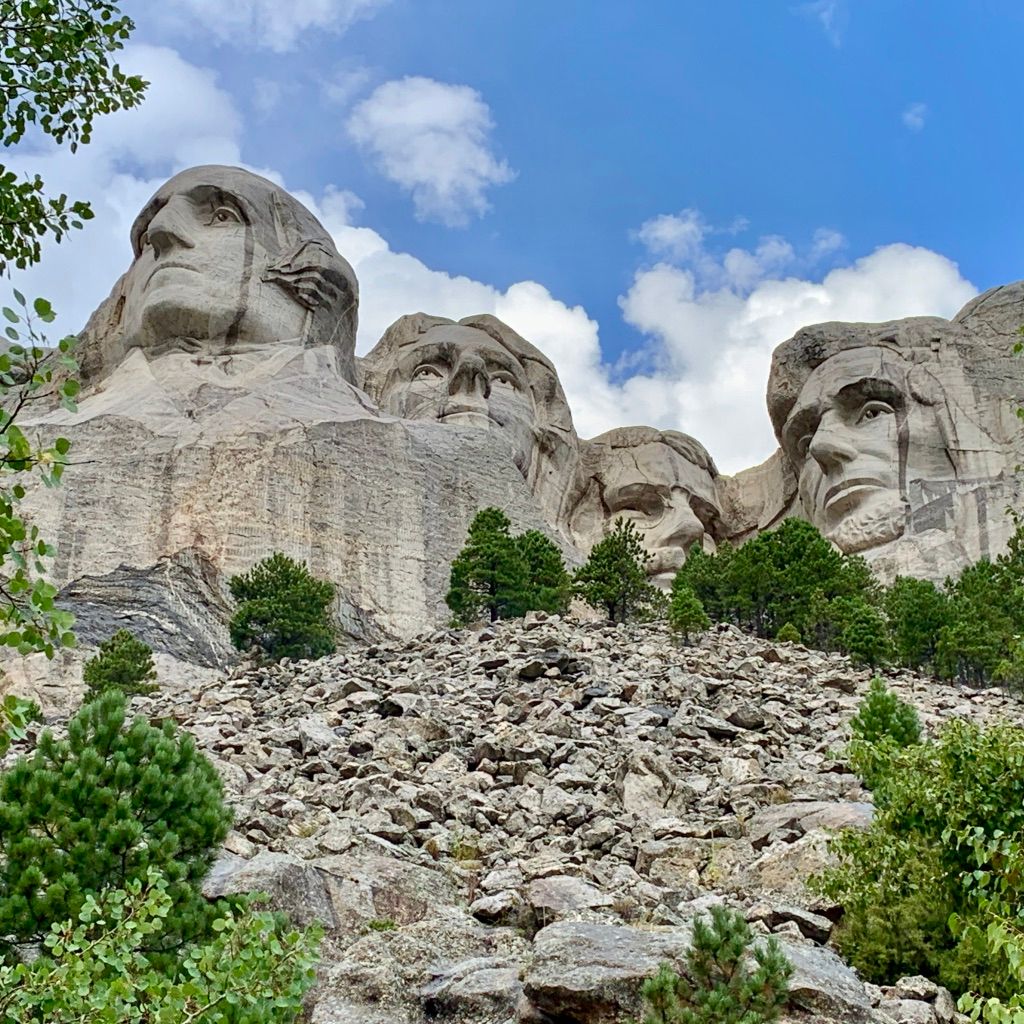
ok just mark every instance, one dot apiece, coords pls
pixel 726 979
pixel 123 663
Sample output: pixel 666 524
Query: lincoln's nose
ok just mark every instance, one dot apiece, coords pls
pixel 470 379
pixel 169 227
pixel 830 447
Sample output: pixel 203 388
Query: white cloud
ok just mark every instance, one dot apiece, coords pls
pixel 709 321
pixel 344 84
pixel 679 236
pixel 432 139
pixel 264 24
pixel 915 115
pixel 832 16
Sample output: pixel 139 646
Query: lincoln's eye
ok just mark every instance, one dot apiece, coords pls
pixel 225 215
pixel 426 372
pixel 143 240
pixel 872 410
pixel 804 444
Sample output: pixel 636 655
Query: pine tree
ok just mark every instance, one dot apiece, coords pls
pixel 864 635
pixel 124 664
pixel 614 577
pixel 882 716
pixel 918 612
pixel 686 614
pixel 283 610
pixel 101 809
pixel 788 634
pixel 489 576
pixel 549 587
pixel 717 984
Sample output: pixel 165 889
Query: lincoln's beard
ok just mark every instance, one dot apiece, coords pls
pixel 878 521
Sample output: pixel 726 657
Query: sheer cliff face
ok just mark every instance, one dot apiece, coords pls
pixel 224 417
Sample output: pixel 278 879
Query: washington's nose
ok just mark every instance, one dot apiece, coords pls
pixel 470 377
pixel 169 228
pixel 830 447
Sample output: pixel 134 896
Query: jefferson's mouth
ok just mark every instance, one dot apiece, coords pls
pixel 850 490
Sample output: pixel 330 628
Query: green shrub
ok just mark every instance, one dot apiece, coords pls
pixel 614 577
pixel 926 887
pixel 864 633
pixel 100 809
pixel 883 716
pixel 283 610
pixel 94 968
pixel 15 715
pixel 717 984
pixel 686 614
pixel 788 634
pixel 918 612
pixel 123 663
pixel 548 584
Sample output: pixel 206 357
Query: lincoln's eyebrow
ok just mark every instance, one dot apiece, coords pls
pixel 802 420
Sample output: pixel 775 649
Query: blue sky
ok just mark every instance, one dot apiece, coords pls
pixel 656 193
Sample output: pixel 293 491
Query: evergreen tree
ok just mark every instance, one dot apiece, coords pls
pixel 100 809
pixel 614 577
pixel 918 612
pixel 686 614
pixel 709 577
pixel 488 577
pixel 788 634
pixel 882 717
pixel 124 664
pixel 864 633
pixel 283 610
pixel 549 586
pixel 718 983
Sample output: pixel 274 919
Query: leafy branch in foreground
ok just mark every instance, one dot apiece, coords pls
pixel 95 969
pixel 56 76
pixel 30 372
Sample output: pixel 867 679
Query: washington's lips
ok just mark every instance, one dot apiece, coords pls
pixel 169 265
pixel 847 488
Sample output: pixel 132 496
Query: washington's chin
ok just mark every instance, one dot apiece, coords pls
pixel 878 519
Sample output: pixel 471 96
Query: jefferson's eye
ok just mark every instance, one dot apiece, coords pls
pixel 225 215
pixel 505 378
pixel 426 372
pixel 872 410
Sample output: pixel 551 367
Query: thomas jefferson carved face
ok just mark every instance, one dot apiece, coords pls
pixel 664 483
pixel 225 260
pixel 865 427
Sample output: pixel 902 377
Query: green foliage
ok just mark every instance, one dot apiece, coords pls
pixel 918 612
pixel 614 577
pixel 686 614
pixel 717 985
pixel 864 633
pixel 501 576
pixel 124 664
pixel 883 722
pixel 548 586
pixel 788 634
pixel 489 576
pixel 283 610
pixel 94 968
pixel 16 714
pixel 102 808
pixel 935 885
pixel 56 78
pixel 30 372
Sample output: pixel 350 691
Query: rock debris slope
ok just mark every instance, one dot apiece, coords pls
pixel 519 824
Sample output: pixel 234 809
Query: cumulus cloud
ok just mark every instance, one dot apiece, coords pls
pixel 708 319
pixel 264 24
pixel 915 115
pixel 433 140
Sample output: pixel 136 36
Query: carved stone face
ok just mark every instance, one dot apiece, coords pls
pixel 661 481
pixel 461 375
pixel 864 429
pixel 227 261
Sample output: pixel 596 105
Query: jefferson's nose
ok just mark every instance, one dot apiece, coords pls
pixel 169 227
pixel 831 447
pixel 470 377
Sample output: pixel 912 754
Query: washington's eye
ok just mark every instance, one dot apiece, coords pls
pixel 872 410
pixel 225 215
pixel 426 372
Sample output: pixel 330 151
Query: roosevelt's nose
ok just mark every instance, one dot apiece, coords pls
pixel 684 526
pixel 470 378
pixel 169 227
pixel 831 447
